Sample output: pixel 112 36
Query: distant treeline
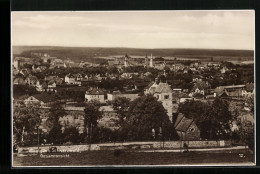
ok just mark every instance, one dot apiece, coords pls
pixel 83 53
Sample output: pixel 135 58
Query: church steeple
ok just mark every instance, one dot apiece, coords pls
pixel 126 60
pixel 151 60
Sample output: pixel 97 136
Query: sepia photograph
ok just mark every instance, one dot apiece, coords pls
pixel 133 88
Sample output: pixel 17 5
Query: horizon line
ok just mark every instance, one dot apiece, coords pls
pixel 129 47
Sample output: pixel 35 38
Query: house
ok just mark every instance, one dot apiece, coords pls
pixel 41 68
pixel 42 86
pixel 56 79
pixel 95 94
pixel 127 75
pixel 32 80
pixel 186 128
pixel 230 91
pixel 200 88
pixel 249 90
pixel 163 92
pixel 19 81
pixel 224 70
pixel 73 78
pixel 78 77
pixel 51 84
pixel 24 72
pixel 100 77
pixel 42 99
pixel 70 79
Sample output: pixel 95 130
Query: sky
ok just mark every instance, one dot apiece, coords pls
pixel 136 29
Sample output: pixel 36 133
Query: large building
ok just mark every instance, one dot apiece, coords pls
pixel 163 92
pixel 95 94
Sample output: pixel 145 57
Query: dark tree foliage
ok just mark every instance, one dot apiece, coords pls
pixel 91 117
pixel 19 90
pixel 120 105
pixel 145 114
pixel 26 119
pixel 55 135
pixel 26 65
pixel 71 134
pixel 213 119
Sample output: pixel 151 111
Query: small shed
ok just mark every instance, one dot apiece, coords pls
pixel 186 128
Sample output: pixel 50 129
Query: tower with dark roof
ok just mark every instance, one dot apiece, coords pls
pixel 126 60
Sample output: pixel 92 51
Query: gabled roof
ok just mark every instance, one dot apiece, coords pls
pixel 51 82
pixel 163 88
pixel 200 86
pixel 19 80
pixel 183 124
pixel 150 85
pixel 44 97
pixel 180 95
pixel 222 94
pixel 179 118
pixel 95 91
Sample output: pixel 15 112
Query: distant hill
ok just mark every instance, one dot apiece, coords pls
pixel 82 53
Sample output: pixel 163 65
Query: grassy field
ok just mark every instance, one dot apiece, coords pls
pixel 136 158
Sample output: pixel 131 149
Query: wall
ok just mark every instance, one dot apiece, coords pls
pixel 100 98
pixel 128 145
pixel 129 96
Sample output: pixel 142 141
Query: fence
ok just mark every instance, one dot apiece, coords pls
pixel 127 145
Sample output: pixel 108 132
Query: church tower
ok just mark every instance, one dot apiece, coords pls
pixel 151 61
pixel 126 60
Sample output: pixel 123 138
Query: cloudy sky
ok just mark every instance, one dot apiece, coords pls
pixel 150 29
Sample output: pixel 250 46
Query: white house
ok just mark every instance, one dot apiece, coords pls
pixel 95 94
pixel 163 92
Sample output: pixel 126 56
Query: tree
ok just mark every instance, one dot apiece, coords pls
pixel 120 105
pixel 213 119
pixel 198 111
pixel 246 132
pixel 146 114
pixel 19 90
pixel 25 120
pixel 91 116
pixel 55 135
pixel 71 134
pixel 221 117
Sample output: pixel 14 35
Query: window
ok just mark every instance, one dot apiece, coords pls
pixel 192 129
pixel 166 97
